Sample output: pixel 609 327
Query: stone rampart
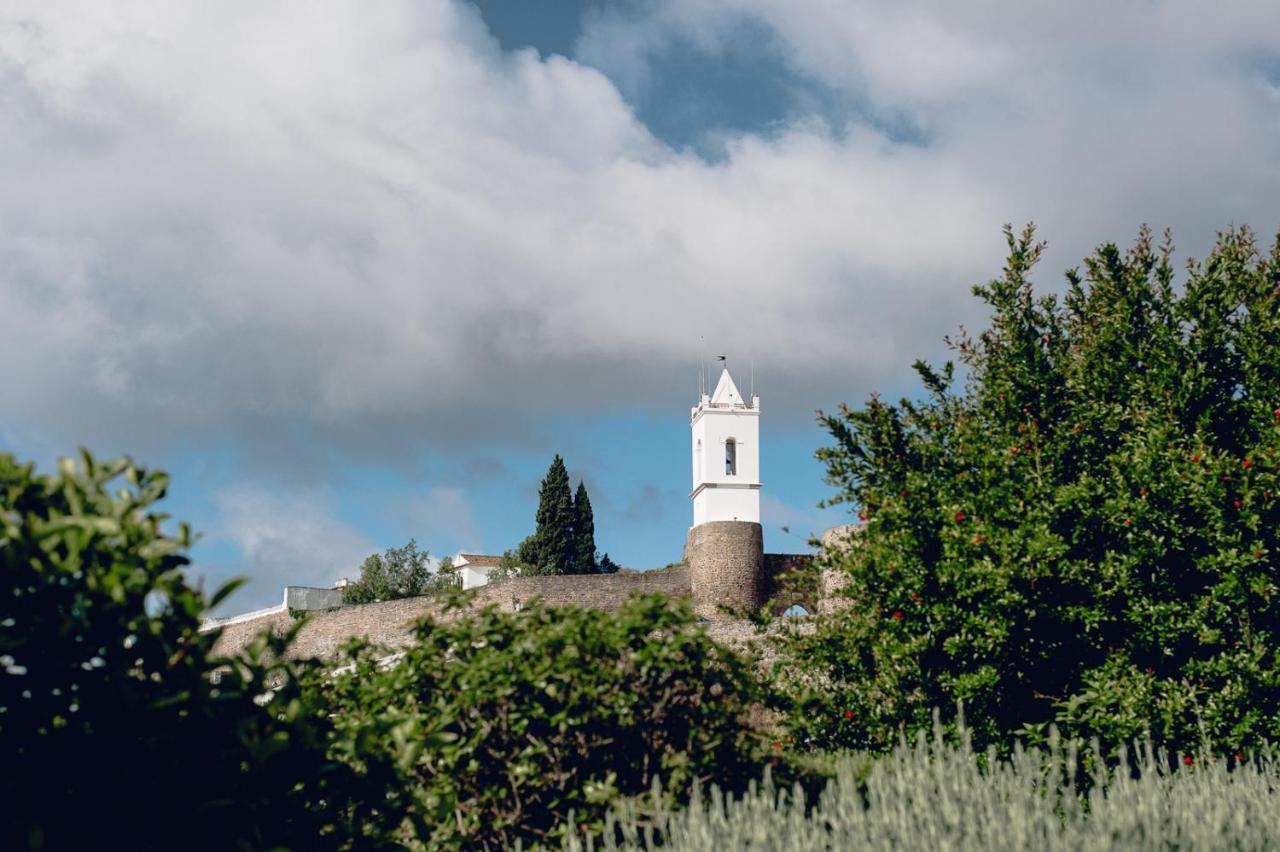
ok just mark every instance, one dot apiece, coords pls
pixel 725 566
pixel 790 579
pixel 592 591
pixel 834 541
pixel 390 623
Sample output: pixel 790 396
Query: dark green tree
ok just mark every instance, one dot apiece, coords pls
pixel 584 531
pixel 399 572
pixel 553 547
pixel 1085 533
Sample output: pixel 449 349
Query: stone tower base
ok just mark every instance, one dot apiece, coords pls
pixel 726 567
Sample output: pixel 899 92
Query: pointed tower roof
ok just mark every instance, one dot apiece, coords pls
pixel 727 392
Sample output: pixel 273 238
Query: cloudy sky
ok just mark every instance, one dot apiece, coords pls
pixel 354 271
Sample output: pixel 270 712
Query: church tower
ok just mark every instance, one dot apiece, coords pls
pixel 725 547
pixel 726 455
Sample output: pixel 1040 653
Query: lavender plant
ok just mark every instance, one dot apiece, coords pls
pixel 932 795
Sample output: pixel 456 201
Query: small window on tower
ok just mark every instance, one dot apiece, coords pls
pixel 731 457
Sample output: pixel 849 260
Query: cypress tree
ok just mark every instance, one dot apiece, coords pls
pixel 584 532
pixel 552 549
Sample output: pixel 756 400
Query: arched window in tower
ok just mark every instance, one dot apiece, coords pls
pixel 698 473
pixel 731 457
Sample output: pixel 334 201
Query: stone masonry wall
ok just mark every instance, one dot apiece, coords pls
pixel 725 561
pixel 389 622
pixel 594 591
pixel 835 539
pixel 789 579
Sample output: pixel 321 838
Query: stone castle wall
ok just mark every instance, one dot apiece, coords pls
pixel 830 579
pixel 790 579
pixel 389 623
pixel 593 591
pixel 725 559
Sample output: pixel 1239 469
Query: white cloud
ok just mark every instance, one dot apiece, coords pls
pixel 295 540
pixel 365 224
pixel 800 522
pixel 442 513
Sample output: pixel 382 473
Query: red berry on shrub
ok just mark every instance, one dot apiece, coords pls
pixel 1195 457
pixel 1237 502
pixel 1246 464
pixel 1142 491
pixel 1128 522
pixel 848 714
pixel 897 615
pixel 777 744
pixel 959 517
pixel 1239 757
pixel 1188 760
pixel 862 516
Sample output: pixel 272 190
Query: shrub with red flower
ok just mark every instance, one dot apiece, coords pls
pixel 1082 607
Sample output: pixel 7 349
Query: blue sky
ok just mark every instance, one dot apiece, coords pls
pixel 355 272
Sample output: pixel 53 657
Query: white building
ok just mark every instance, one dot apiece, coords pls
pixel 726 455
pixel 474 568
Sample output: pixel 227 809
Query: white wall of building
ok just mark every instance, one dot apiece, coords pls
pixel 474 576
pixel 719 495
pixel 726 504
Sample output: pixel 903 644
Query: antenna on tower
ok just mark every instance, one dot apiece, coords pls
pixel 702 366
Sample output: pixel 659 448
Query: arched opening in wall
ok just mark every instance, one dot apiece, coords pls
pixel 795 611
pixel 731 457
pixel 698 475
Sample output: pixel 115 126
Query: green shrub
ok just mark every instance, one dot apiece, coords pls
pixel 113 732
pixel 1084 532
pixel 936 796
pixel 399 572
pixel 501 723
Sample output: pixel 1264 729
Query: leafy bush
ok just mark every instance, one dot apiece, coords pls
pixel 501 723
pixel 113 731
pixel 1085 532
pixel 935 796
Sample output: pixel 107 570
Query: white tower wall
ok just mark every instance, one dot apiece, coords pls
pixel 723 425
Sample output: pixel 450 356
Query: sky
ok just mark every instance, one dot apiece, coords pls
pixel 353 272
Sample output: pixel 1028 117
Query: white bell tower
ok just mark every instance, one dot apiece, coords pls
pixel 726 456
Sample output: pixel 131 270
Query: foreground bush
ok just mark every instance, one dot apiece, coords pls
pixel 502 723
pixel 1086 531
pixel 933 796
pixel 112 731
